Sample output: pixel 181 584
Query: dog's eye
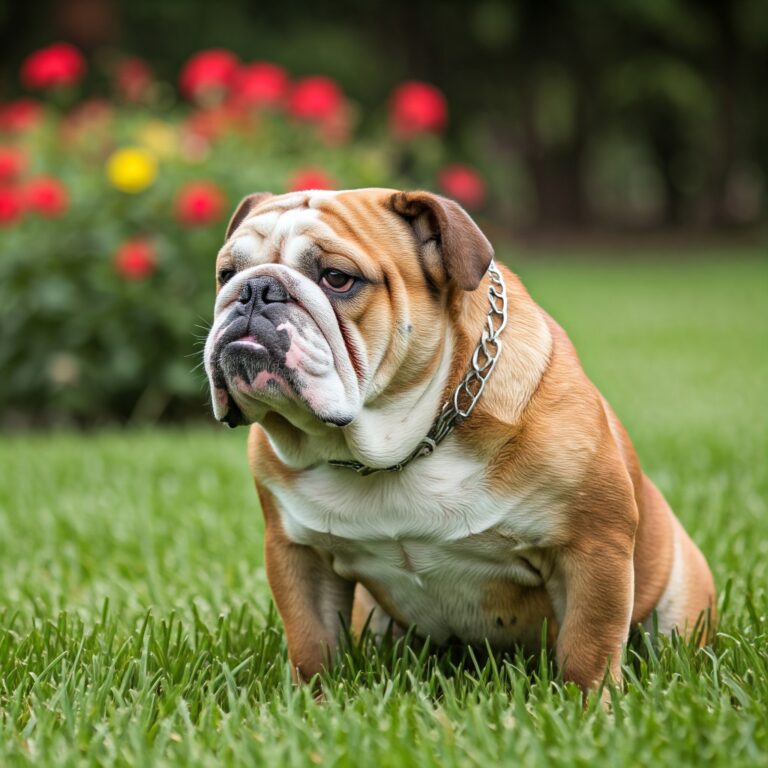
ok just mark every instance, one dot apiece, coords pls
pixel 225 275
pixel 337 281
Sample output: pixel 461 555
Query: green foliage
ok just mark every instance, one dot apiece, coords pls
pixel 137 629
pixel 81 343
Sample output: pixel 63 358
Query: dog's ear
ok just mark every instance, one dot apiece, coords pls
pixel 247 204
pixel 452 246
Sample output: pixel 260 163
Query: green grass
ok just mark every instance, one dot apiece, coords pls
pixel 136 626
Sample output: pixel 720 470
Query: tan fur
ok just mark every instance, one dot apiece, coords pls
pixel 606 556
pixel 314 603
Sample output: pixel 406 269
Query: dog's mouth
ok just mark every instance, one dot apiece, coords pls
pixel 263 365
pixel 234 416
pixel 274 352
pixel 251 363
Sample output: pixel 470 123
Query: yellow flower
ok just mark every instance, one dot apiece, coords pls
pixel 131 169
pixel 159 137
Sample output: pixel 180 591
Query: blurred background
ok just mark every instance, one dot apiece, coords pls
pixel 129 131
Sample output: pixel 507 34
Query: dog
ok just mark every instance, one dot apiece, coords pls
pixel 426 447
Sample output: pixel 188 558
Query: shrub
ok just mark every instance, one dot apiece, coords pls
pixel 112 211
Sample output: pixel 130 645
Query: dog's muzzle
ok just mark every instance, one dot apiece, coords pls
pixel 270 350
pixel 251 341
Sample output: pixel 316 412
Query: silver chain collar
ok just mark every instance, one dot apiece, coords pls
pixel 470 388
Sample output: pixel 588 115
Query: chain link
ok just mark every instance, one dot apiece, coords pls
pixel 484 359
pixel 469 389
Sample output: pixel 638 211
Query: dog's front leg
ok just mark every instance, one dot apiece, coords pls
pixel 314 603
pixel 592 590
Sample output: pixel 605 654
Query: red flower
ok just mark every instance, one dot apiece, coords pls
pixel 260 85
pixel 46 195
pixel 199 203
pixel 135 259
pixel 417 108
pixel 463 184
pixel 12 163
pixel 208 73
pixel 11 207
pixel 133 78
pixel 58 65
pixel 315 98
pixel 20 115
pixel 310 178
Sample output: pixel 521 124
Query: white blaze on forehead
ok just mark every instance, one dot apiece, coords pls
pixel 287 225
pixel 308 197
pixel 263 224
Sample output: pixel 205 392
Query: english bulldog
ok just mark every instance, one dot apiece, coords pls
pixel 426 447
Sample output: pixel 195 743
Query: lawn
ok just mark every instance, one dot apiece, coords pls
pixel 136 626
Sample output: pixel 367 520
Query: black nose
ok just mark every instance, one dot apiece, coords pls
pixel 263 290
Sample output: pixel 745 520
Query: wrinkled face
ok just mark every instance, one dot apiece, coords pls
pixel 335 309
pixel 314 313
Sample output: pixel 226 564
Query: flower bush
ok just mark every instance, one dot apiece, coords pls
pixel 113 206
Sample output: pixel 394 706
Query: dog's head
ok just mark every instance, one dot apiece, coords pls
pixel 333 303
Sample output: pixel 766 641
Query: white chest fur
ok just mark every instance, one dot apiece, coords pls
pixel 430 538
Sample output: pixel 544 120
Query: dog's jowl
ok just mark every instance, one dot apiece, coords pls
pixel 426 447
